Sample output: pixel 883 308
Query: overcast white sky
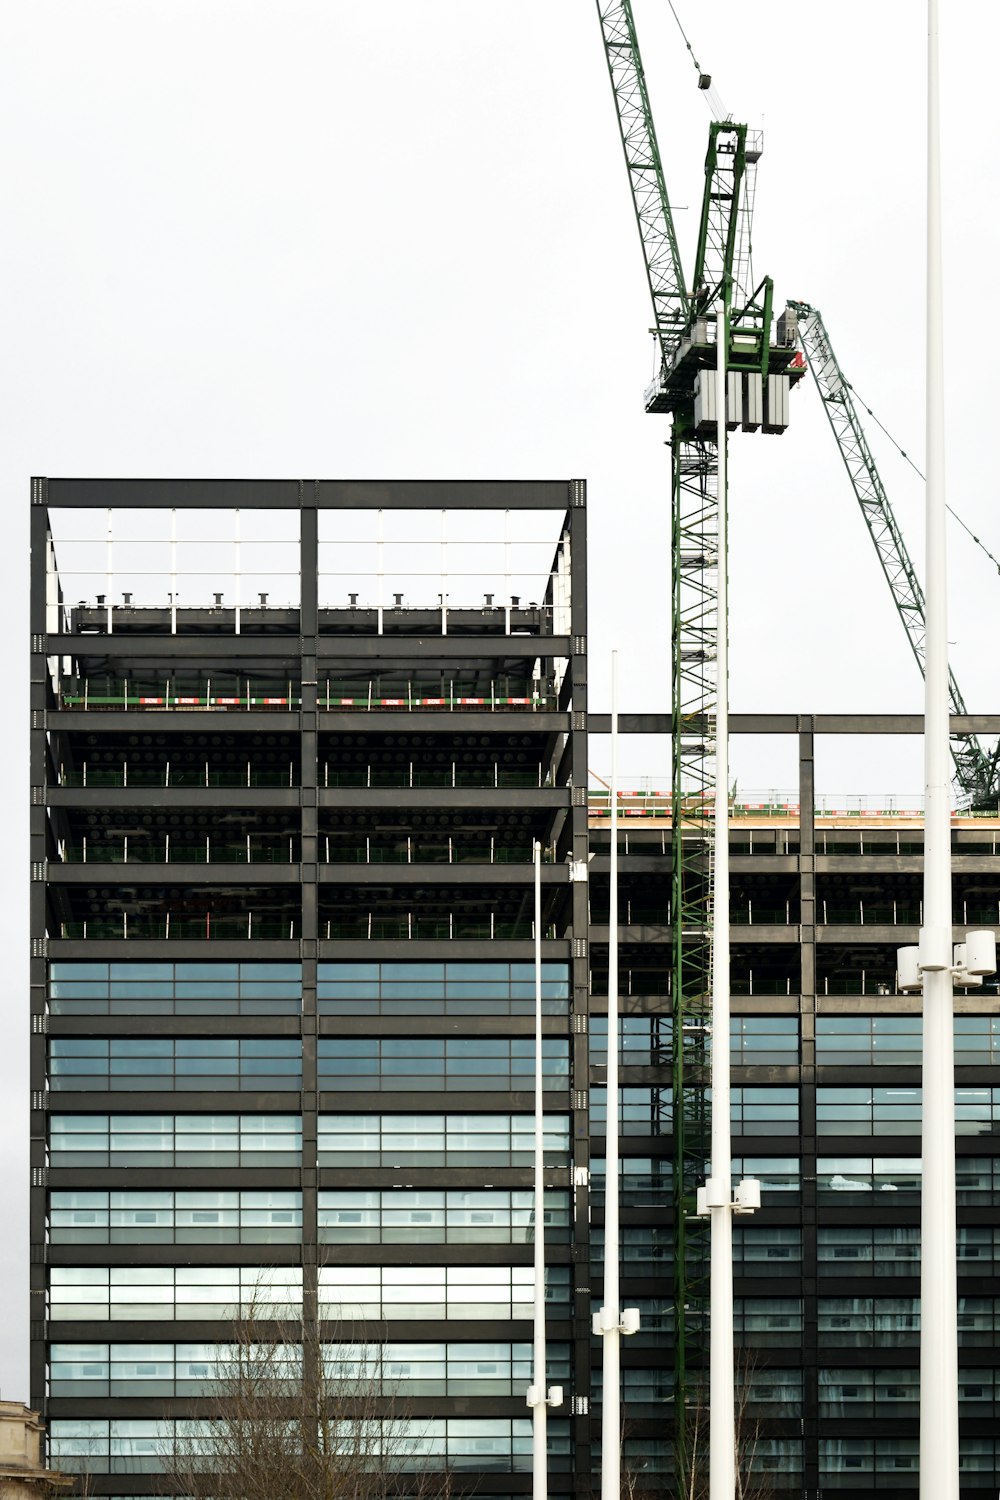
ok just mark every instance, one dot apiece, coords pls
pixel 244 237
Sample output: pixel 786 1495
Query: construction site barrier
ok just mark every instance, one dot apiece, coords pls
pixel 167 700
pixel 653 804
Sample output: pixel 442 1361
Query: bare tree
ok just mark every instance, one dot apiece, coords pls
pixel 287 1419
pixel 752 1483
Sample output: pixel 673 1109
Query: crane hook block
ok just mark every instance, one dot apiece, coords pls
pixel 704 80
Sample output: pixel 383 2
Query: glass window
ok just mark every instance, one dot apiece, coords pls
pixel 413 1064
pixel 207 988
pixel 977 1455
pixel 437 1217
pixel 641 1111
pixel 436 1292
pixel 976 1111
pixel 777 1175
pixel 773 1392
pixel 868 1111
pixel 852 1179
pixel 860 1322
pixel 765 1111
pixel 181 1140
pixel 644 1178
pixel 132 1446
pixel 768 1321
pixel 767 1249
pixel 879 1249
pixel 153 1063
pixel 764 1039
pixel 897 1393
pixel 435 988
pixel 847 1041
pixel 644 1249
pixel 78 1218
pixel 643 1041
pixel 438 1140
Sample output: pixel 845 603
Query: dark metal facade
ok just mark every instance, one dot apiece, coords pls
pixel 523 718
pixel 826 1078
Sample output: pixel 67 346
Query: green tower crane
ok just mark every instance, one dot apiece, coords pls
pixel 762 364
pixel 976 769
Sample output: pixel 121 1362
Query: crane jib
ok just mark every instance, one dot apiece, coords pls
pixel 976 769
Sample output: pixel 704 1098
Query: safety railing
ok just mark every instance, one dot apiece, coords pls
pixel 642 913
pixel 433 777
pixel 255 849
pixel 416 851
pixel 652 986
pixel 647 803
pixel 411 926
pixel 450 696
pixel 142 927
pixel 125 693
pixel 862 982
pixel 753 914
pixel 873 913
pixel 168 776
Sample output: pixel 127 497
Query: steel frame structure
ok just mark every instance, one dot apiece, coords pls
pixel 306 651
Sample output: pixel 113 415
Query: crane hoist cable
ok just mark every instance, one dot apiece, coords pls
pixel 920 474
pixel 712 96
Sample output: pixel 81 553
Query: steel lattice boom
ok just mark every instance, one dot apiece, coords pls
pixel 645 170
pixel 975 769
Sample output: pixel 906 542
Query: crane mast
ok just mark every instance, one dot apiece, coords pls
pixel 761 368
pixel 976 771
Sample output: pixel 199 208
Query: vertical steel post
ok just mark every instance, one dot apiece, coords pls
pixel 721 1431
pixel 539 1410
pixel 938 1289
pixel 611 1456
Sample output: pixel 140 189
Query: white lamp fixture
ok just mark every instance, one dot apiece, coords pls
pixel 970 961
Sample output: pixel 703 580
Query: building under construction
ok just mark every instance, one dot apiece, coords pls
pixel 291 745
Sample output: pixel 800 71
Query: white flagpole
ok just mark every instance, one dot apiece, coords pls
pixel 722 1421
pixel 610 1315
pixel 938 1288
pixel 540 1397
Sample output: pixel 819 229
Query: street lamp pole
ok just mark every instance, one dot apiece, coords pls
pixel 716 1198
pixel 610 1323
pixel 938 1287
pixel 722 1418
pixel 539 1397
pixel 611 1456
